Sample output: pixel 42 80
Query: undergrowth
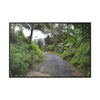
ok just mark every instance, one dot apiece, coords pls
pixel 23 56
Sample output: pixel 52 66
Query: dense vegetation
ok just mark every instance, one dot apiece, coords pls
pixel 72 45
pixel 23 54
pixel 71 41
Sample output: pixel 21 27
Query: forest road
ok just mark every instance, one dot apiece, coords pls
pixel 54 66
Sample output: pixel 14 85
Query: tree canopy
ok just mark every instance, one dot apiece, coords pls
pixel 72 41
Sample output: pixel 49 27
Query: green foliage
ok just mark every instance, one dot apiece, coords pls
pixel 68 53
pixel 59 48
pixel 50 47
pixel 49 40
pixel 74 40
pixel 43 48
pixel 71 41
pixel 82 55
pixel 47 25
pixel 76 46
pixel 77 32
pixel 13 38
pixel 23 56
pixel 39 42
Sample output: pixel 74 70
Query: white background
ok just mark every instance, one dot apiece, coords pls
pixel 49 88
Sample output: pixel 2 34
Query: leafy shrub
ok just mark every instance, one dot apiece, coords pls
pixel 78 53
pixel 50 47
pixel 17 65
pixel 75 41
pixel 82 55
pixel 43 48
pixel 68 53
pixel 23 56
pixel 59 48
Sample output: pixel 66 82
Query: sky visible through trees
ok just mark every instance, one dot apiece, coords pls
pixel 71 41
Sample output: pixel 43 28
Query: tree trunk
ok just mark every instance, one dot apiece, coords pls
pixel 31 35
pixel 21 31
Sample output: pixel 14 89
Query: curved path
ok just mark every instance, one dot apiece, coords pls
pixel 54 65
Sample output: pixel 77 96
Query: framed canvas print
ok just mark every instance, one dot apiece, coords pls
pixel 50 49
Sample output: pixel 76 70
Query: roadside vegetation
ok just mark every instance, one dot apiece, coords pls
pixel 23 54
pixel 71 41
pixel 73 45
